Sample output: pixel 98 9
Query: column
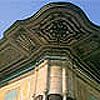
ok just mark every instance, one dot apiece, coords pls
pixel 70 86
pixel 55 83
pixel 45 92
pixel 64 83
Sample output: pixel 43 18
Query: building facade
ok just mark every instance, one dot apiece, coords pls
pixel 53 55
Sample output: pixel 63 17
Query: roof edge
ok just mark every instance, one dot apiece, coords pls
pixel 48 6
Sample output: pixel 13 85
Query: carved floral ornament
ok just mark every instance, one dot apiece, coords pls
pixel 59 30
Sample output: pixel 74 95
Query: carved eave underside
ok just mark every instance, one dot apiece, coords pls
pixel 59 29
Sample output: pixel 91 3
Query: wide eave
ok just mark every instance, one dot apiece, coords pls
pixel 57 29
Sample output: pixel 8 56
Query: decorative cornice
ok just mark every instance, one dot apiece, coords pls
pixel 58 29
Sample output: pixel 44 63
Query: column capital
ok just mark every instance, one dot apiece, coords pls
pixel 57 62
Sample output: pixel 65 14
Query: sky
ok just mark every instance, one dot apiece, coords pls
pixel 12 10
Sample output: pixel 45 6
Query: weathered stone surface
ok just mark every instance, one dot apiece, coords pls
pixel 58 29
pixel 41 82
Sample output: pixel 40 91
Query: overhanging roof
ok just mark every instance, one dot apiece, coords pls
pixel 57 29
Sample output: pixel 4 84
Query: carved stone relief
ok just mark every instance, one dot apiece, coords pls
pixel 8 56
pixel 24 40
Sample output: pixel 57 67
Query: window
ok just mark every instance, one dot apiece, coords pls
pixel 11 95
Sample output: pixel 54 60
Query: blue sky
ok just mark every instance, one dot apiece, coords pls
pixel 12 10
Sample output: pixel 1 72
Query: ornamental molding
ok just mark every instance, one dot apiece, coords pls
pixel 57 29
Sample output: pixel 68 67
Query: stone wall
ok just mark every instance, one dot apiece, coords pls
pixel 54 79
